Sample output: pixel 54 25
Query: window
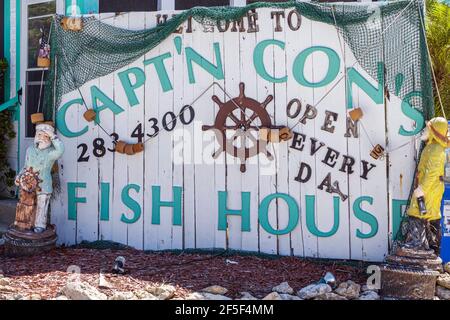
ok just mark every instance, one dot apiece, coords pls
pixel 127 6
pixel 187 4
pixel 39 15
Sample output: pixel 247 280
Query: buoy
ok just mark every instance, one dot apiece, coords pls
pixel 71 23
pixel 37 117
pixel 43 62
pixel 138 147
pixel 129 149
pixel 285 134
pixel 90 115
pixel 356 114
pixel 120 146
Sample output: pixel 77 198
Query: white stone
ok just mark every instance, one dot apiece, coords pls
pixel 283 287
pixel 286 296
pixel 365 288
pixel 247 296
pixel 348 289
pixel 5 281
pixel 215 290
pixel 61 298
pixel 447 267
pixel 330 296
pixel 444 280
pixel 78 290
pixel 125 295
pixel 195 296
pixel 210 296
pixel 161 292
pixel 35 296
pixel 103 283
pixel 369 295
pixel 273 296
pixel 443 293
pixel 145 295
pixel 6 289
pixel 313 290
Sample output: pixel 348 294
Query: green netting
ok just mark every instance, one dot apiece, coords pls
pixel 395 39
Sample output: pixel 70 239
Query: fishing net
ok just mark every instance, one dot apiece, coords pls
pixel 390 32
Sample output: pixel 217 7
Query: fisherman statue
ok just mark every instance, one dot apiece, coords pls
pixel 30 232
pixel 423 228
pixel 41 156
pixel 411 271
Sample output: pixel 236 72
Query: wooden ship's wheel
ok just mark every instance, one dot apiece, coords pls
pixel 242 117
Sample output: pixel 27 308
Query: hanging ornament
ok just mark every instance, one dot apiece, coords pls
pixel 43 60
pixel 377 152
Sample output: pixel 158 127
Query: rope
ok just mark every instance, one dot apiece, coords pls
pixel 422 19
pixel 43 71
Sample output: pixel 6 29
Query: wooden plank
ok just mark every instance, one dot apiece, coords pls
pixel 280 150
pixel 220 239
pixel 233 76
pixel 295 43
pixel 249 179
pixel 65 228
pixel 334 101
pixel 106 163
pixel 267 183
pixel 151 149
pixel 204 169
pixel 136 21
pixel 189 213
pixel 310 241
pixel 120 172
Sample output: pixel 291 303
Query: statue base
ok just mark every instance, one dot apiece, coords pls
pixel 19 243
pixel 410 274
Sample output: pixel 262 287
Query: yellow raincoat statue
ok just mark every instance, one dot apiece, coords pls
pixel 424 231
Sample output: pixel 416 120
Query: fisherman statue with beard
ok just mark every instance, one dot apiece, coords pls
pixel 40 157
pixel 423 229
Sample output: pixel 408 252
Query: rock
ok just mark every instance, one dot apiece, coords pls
pixel 443 293
pixel 19 297
pixel 283 287
pixel 273 296
pixel 447 267
pixel 313 290
pixel 145 295
pixel 330 296
pixel 210 296
pixel 35 296
pixel 436 298
pixel 365 288
pixel 61 298
pixel 348 289
pixel 103 283
pixel 6 288
pixel 78 290
pixel 369 295
pixel 126 295
pixel 195 296
pixel 4 281
pixel 215 290
pixel 285 296
pixel 444 280
pixel 247 296
pixel 161 292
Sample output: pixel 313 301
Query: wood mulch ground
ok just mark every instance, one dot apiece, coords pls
pixel 46 275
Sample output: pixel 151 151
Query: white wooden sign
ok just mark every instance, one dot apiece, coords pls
pixel 320 194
